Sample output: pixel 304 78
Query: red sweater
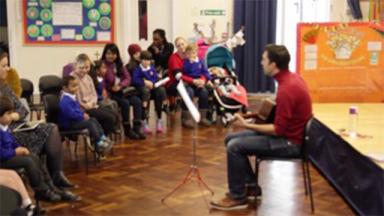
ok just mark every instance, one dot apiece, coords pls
pixel 175 65
pixel 293 106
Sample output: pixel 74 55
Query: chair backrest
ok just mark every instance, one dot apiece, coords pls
pixel 51 107
pixel 306 137
pixel 28 89
pixel 50 84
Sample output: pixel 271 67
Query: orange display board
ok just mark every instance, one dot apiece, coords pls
pixel 342 62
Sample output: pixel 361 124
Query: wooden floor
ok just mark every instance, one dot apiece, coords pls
pixel 133 181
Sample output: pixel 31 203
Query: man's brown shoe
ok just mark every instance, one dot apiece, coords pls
pixel 227 204
pixel 252 192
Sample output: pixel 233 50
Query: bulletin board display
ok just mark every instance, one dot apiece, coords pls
pixel 65 22
pixel 342 62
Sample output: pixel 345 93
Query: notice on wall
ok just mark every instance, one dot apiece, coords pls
pixel 63 22
pixel 342 62
pixel 67 13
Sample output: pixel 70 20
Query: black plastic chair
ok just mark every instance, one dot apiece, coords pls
pixel 50 84
pixel 303 157
pixel 27 93
pixel 52 110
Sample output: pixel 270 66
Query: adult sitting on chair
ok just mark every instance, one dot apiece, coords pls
pixel 281 138
pixel 45 139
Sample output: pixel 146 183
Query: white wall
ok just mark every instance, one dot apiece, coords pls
pixel 340 11
pixel 174 16
pixel 188 12
pixel 292 12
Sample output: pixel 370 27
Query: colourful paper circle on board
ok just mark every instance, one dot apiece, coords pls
pixel 105 23
pixel 105 8
pixel 45 3
pixel 88 32
pixel 33 31
pixel 46 15
pixel 46 30
pixel 93 15
pixel 32 13
pixel 89 3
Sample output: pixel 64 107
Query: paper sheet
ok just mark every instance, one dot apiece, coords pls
pixel 67 13
pixel 188 102
pixel 374 46
pixel 68 33
pixel 103 36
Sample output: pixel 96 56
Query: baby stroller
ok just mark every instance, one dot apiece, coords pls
pixel 229 95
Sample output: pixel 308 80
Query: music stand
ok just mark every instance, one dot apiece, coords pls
pixel 193 171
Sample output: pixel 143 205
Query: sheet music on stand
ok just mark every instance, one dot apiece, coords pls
pixel 188 101
pixel 193 172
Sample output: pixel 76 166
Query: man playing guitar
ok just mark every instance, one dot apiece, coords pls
pixel 283 137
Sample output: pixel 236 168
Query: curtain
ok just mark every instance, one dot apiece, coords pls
pixel 259 19
pixel 354 5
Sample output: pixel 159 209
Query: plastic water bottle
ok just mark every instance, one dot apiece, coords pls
pixel 353 117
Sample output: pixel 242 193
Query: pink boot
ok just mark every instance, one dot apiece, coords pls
pixel 146 128
pixel 159 126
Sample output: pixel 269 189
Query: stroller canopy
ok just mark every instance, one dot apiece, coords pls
pixel 220 56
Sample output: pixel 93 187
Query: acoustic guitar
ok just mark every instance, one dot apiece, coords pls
pixel 263 114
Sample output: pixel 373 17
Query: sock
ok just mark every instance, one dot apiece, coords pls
pixel 26 202
pixel 30 209
pixel 100 143
pixel 103 137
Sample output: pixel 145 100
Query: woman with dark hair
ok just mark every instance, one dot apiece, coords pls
pixel 161 50
pixel 45 139
pixel 118 83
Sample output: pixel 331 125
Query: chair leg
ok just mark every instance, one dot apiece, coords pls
pixel 304 177
pixel 310 187
pixel 76 144
pixel 38 115
pixel 86 153
pixel 31 115
pixel 257 166
pixel 38 206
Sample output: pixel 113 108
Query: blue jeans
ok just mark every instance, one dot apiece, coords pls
pixel 242 144
pixel 125 103
pixel 201 93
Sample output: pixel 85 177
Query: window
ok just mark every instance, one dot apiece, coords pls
pixel 143 20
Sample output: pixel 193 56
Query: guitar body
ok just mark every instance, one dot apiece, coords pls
pixel 264 114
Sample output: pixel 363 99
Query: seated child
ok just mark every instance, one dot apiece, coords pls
pixel 197 77
pixel 144 77
pixel 225 84
pixel 103 100
pixel 71 116
pixel 87 96
pixel 14 156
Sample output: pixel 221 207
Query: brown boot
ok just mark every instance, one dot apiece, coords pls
pixel 204 121
pixel 186 120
